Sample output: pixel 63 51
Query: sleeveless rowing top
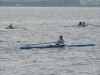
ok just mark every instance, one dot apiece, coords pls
pixel 60 42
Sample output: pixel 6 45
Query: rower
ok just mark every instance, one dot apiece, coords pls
pixel 10 26
pixel 80 23
pixel 83 23
pixel 60 41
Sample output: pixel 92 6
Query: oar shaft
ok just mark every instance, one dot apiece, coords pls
pixel 43 43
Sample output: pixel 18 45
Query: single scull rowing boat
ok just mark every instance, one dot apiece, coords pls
pixel 55 46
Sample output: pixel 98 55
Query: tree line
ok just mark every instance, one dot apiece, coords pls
pixel 43 3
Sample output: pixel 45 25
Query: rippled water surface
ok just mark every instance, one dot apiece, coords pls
pixel 45 24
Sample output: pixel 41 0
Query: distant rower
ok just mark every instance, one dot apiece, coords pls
pixel 82 23
pixel 10 26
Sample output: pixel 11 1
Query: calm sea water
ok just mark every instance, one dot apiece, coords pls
pixel 45 24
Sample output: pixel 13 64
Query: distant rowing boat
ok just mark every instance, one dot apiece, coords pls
pixel 76 25
pixel 55 46
pixel 82 25
pixel 9 29
pixel 16 29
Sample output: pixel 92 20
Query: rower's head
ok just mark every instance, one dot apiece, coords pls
pixel 60 37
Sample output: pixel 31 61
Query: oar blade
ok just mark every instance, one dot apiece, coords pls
pixel 26 45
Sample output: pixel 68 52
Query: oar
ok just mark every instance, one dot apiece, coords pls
pixel 43 43
pixel 26 45
pixel 27 28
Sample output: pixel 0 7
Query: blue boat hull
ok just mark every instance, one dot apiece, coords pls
pixel 80 45
pixel 52 46
pixel 56 46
